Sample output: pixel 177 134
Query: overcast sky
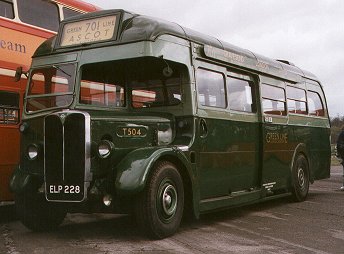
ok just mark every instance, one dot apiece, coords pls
pixel 309 33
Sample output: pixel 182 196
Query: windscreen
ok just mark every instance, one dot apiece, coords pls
pixel 139 83
pixel 50 87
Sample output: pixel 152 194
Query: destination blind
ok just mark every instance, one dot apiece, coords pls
pixel 91 30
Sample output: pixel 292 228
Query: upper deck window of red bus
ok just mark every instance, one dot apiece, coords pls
pixel 67 13
pixel 39 13
pixel 6 9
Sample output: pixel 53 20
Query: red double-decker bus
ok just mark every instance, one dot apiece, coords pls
pixel 24 25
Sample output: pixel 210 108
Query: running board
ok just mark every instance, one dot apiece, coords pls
pixel 237 199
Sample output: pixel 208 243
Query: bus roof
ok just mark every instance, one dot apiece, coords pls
pixel 135 27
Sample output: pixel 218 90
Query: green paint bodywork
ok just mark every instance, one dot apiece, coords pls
pixel 231 165
pixel 134 168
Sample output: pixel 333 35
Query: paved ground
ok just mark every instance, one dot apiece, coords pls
pixel 314 226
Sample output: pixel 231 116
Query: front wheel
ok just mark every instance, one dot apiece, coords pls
pixel 300 178
pixel 37 214
pixel 159 208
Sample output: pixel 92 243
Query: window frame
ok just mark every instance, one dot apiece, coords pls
pixel 296 100
pixel 225 93
pixel 273 100
pixel 252 84
pixel 324 115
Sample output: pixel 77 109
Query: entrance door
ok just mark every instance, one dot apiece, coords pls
pixel 228 132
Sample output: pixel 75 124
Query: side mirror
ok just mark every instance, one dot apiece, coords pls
pixel 19 73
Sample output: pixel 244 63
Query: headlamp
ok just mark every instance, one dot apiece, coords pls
pixel 32 151
pixel 104 148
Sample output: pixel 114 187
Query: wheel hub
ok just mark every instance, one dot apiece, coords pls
pixel 301 176
pixel 169 200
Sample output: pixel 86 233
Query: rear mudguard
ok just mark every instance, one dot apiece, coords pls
pixel 133 171
pixel 302 149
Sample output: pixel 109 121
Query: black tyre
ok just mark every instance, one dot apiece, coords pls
pixel 300 178
pixel 37 214
pixel 159 208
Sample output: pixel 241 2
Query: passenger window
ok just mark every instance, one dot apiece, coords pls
pixel 240 95
pixel 211 88
pixel 315 105
pixel 296 100
pixel 273 100
pixel 67 13
pixel 6 9
pixel 39 13
pixel 9 108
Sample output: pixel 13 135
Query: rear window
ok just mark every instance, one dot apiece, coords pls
pixel 39 13
pixel 315 104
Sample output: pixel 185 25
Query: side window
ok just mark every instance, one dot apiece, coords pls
pixel 67 13
pixel 240 95
pixel 39 13
pixel 9 108
pixel 211 88
pixel 273 100
pixel 296 99
pixel 315 105
pixel 6 9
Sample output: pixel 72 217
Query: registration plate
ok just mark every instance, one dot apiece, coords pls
pixel 65 192
pixel 64 189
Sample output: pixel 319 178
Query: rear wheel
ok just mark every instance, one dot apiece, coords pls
pixel 37 214
pixel 159 208
pixel 300 178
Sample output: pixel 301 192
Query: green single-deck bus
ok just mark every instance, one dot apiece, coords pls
pixel 126 113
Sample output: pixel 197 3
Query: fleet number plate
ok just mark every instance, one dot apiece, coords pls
pixel 132 131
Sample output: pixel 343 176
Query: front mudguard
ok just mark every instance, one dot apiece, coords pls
pixel 22 181
pixel 133 170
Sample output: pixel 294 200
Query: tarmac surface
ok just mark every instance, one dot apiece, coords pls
pixel 279 226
